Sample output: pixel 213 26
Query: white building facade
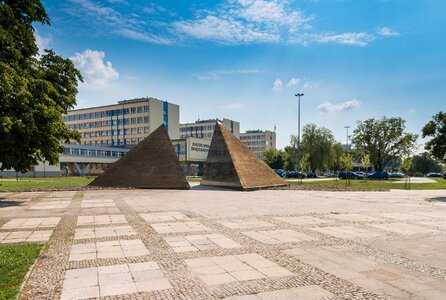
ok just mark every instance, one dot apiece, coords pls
pixel 258 141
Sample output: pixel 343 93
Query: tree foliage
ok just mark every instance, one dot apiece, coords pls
pixel 34 92
pixel 383 140
pixel 346 161
pixel 337 150
pixel 276 159
pixel 424 163
pixel 317 144
pixel 291 151
pixel 436 129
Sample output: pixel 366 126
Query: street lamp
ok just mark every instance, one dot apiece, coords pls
pixel 298 132
pixel 346 145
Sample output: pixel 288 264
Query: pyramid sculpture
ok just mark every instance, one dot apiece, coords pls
pixel 151 164
pixel 231 164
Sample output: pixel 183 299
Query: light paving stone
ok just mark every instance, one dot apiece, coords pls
pixel 354 217
pixel 435 224
pixel 164 216
pixel 278 236
pixel 371 273
pixel 108 249
pixel 347 232
pixel 113 280
pixel 403 216
pixel 25 236
pixel 403 228
pixel 31 223
pixel 48 205
pixel 200 242
pixel 113 231
pixel 179 227
pixel 303 220
pixel 245 223
pixel 234 268
pixel 98 203
pixel 101 220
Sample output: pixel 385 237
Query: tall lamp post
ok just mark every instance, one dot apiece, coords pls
pixel 298 132
pixel 346 145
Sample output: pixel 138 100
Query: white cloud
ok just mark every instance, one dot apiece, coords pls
pixel 293 82
pixel 328 107
pixel 94 69
pixel 42 42
pixel 387 32
pixel 216 75
pixel 310 85
pixel 351 38
pixel 277 85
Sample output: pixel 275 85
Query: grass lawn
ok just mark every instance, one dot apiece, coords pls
pixel 15 261
pixel 26 183
pixel 377 184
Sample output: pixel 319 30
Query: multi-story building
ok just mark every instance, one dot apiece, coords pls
pixel 205 128
pixel 258 141
pixel 125 123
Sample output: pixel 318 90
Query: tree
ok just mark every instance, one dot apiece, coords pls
pixel 291 151
pixel 424 163
pixel 436 129
pixel 276 159
pixel 337 150
pixel 383 140
pixel 317 144
pixel 34 93
pixel 365 161
pixel 346 161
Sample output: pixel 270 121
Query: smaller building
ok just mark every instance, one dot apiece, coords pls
pixel 205 128
pixel 192 153
pixel 258 141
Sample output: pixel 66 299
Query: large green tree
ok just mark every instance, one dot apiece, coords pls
pixel 276 159
pixel 34 90
pixel 383 140
pixel 436 129
pixel 291 151
pixel 317 143
pixel 423 163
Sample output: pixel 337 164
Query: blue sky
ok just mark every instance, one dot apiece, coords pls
pixel 245 59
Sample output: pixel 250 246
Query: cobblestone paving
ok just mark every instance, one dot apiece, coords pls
pixel 216 244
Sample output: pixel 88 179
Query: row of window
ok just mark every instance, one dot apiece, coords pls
pixel 197 135
pixel 114 142
pixel 253 137
pixel 107 113
pixel 257 149
pixel 197 128
pixel 100 124
pixel 118 132
pixel 255 143
pixel 94 153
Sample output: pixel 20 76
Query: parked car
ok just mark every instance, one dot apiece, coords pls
pixel 349 174
pixel 379 175
pixel 444 175
pixel 311 175
pixel 360 173
pixel 433 174
pixel 397 175
pixel 280 172
pixel 329 174
pixel 294 174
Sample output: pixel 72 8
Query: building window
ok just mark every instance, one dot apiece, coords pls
pixel 139 109
pixel 146 119
pixel 146 108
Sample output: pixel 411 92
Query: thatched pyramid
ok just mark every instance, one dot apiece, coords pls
pixel 152 164
pixel 231 164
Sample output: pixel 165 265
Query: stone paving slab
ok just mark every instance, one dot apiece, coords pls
pixel 303 220
pixel 25 236
pixel 108 249
pixel 31 223
pixel 113 280
pixel 200 242
pixel 403 228
pixel 246 223
pixel 278 236
pixel 179 227
pixel 101 220
pixel 95 203
pixel 164 216
pixel 48 205
pixel 310 292
pixel 95 233
pixel 348 232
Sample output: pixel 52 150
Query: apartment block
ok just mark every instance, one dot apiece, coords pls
pixel 205 128
pixel 258 141
pixel 124 123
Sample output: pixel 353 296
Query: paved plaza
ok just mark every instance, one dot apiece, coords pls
pixel 220 244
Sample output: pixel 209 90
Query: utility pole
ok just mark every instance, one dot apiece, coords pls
pixel 346 145
pixel 298 132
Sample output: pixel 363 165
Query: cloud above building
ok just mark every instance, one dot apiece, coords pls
pixel 95 70
pixel 328 107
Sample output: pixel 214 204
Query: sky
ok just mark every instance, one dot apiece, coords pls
pixel 246 59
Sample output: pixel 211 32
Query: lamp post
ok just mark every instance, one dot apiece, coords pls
pixel 298 132
pixel 346 145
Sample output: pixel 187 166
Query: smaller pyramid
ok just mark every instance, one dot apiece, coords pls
pixel 231 164
pixel 152 164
